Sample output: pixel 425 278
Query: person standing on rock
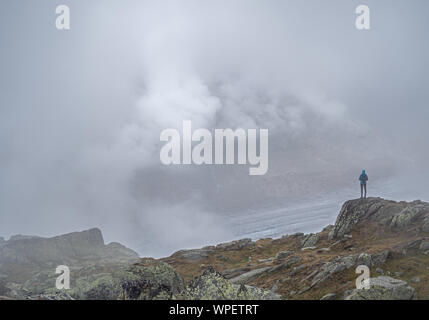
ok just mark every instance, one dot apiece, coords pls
pixel 363 178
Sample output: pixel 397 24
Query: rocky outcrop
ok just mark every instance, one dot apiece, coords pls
pixel 384 288
pixel 161 282
pixel 212 286
pixel 385 212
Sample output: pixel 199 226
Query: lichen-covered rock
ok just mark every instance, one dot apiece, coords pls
pixel 375 259
pixel 384 288
pixel 385 212
pixel 334 266
pixel 161 282
pixel 212 286
pixel 406 216
pixel 310 241
pixel 283 255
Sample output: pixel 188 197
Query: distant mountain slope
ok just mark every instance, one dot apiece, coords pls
pixel 74 248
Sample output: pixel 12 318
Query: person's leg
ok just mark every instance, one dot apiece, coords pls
pixel 361 190
pixel 364 186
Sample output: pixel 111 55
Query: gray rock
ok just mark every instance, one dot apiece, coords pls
pixel 415 280
pixel 375 259
pixel 245 277
pixel 379 270
pixel 161 282
pixel 334 266
pixel 329 296
pixel 310 241
pixel 232 273
pixel 380 258
pixel 425 225
pixel 322 250
pixel 298 269
pixel 212 286
pixel 406 216
pixel 384 288
pixel 285 265
pixel 308 248
pixel 283 255
pixel 424 246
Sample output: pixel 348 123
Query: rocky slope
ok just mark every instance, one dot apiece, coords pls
pixel 390 238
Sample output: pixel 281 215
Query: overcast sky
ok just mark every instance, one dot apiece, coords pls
pixel 82 110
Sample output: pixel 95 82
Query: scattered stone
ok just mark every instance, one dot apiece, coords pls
pixel 415 280
pixel 424 246
pixel 283 254
pixel 379 270
pixel 308 248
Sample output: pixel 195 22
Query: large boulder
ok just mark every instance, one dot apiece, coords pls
pixel 384 288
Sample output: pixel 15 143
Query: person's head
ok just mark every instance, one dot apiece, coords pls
pixel 363 171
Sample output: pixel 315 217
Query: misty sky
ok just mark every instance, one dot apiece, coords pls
pixel 82 110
